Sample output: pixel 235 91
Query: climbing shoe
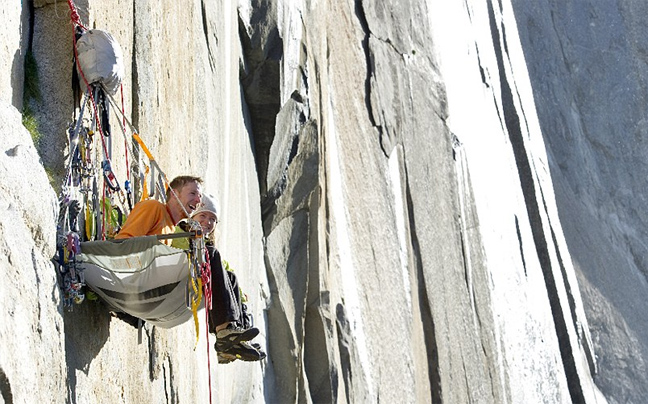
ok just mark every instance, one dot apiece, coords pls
pixel 245 352
pixel 232 335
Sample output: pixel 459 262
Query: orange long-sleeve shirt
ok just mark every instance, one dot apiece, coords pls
pixel 148 218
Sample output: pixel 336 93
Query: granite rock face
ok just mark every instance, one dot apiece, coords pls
pixel 32 351
pixel 13 51
pixel 591 100
pixel 405 226
pixel 386 199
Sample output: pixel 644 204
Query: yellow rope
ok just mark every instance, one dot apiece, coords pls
pixel 89 222
pixel 144 186
pixel 146 150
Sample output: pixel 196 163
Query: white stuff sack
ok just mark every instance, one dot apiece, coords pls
pixel 101 60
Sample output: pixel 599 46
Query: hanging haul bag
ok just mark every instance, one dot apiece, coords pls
pixel 101 60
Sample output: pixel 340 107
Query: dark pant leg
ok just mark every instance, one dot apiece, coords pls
pixel 226 305
pixel 236 291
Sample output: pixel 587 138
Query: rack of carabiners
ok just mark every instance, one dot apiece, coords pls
pixel 93 205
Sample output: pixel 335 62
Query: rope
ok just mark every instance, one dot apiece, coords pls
pixel 123 122
pixel 123 115
pixel 197 286
pixel 206 277
pixel 74 15
pixel 154 164
pixel 134 151
pixel 149 155
pixel 206 280
pixel 200 283
pixel 208 359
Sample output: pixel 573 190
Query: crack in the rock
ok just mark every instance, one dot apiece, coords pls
pixel 429 334
pixel 362 18
pixel 513 128
pixel 519 236
pixel 210 54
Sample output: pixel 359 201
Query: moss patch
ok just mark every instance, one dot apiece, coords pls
pixel 31 94
pixel 30 122
pixel 32 82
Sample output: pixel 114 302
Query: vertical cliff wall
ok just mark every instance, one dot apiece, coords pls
pixel 387 201
pixel 588 70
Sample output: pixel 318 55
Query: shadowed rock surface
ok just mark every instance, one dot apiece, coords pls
pixel 591 97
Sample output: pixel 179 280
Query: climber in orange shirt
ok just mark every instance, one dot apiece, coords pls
pixel 152 217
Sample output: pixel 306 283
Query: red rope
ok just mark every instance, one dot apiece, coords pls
pixel 74 15
pixel 206 281
pixel 208 361
pixel 207 292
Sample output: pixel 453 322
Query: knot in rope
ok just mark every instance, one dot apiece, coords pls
pixel 74 15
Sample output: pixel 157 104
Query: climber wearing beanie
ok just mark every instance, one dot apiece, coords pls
pixel 227 317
